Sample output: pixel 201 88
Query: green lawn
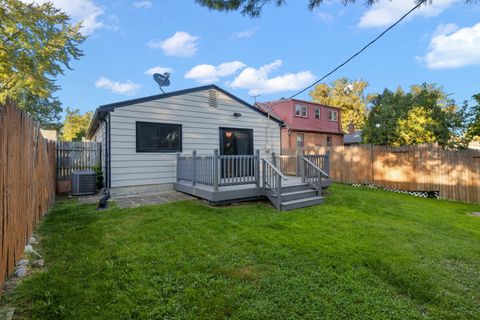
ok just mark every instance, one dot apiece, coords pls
pixel 365 254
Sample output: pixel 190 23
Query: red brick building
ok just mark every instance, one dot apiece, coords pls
pixel 308 124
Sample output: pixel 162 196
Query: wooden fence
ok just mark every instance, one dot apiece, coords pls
pixel 75 156
pixel 454 174
pixel 27 183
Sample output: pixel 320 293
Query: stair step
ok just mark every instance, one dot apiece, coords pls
pixel 301 203
pixel 295 187
pixel 300 194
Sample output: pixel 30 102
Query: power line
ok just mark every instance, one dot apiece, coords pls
pixel 361 50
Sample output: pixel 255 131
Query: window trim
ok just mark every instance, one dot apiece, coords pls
pixel 330 112
pixel 302 107
pixel 163 150
pixel 318 110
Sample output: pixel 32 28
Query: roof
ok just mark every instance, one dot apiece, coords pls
pixel 353 138
pixel 103 110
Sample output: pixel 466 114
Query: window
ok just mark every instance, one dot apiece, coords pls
pixel 299 140
pixel 159 137
pixel 301 111
pixel 332 115
pixel 329 141
pixel 317 113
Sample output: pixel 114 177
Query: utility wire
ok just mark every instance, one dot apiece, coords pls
pixel 361 50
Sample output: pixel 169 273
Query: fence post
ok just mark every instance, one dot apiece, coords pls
pixel 178 167
pixel 257 167
pixel 215 170
pixel 274 159
pixel 194 167
pixel 302 169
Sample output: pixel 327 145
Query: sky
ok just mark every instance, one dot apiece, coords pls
pixel 269 57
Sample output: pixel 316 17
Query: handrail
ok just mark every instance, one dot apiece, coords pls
pixel 275 169
pixel 315 167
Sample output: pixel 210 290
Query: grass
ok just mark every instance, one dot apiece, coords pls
pixel 365 254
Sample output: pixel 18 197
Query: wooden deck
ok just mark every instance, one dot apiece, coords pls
pixel 236 193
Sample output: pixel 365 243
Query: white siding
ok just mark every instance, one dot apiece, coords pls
pixel 200 131
pixel 99 136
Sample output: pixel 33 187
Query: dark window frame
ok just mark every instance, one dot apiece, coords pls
pixel 318 113
pixel 158 150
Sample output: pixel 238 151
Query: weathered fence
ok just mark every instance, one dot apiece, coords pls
pixel 75 156
pixel 454 174
pixel 27 183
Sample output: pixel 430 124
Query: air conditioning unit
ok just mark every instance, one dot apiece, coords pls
pixel 84 183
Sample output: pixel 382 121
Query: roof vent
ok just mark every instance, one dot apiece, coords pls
pixel 212 98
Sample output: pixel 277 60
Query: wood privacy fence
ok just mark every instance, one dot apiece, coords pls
pixel 27 183
pixel 76 156
pixel 454 174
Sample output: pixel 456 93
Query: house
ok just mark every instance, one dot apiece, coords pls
pixel 353 137
pixel 307 124
pixel 202 141
pixel 142 136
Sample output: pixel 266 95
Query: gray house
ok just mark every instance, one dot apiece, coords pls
pixel 203 141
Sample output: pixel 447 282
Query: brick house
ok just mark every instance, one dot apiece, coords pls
pixel 307 124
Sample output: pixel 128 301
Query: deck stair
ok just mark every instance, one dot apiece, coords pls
pixel 295 196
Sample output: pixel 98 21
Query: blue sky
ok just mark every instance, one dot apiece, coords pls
pixel 274 55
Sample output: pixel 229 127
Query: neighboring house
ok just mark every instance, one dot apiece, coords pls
pixel 141 137
pixel 354 137
pixel 307 124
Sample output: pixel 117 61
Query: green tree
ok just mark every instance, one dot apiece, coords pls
pixel 75 125
pixel 47 111
pixel 423 115
pixel 474 125
pixel 36 43
pixel 347 95
pixel 253 8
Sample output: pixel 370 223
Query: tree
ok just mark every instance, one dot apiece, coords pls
pixel 47 111
pixel 474 125
pixel 75 125
pixel 423 115
pixel 36 43
pixel 347 95
pixel 253 8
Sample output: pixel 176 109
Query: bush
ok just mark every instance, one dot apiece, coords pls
pixel 99 172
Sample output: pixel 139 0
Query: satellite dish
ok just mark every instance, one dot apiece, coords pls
pixel 163 80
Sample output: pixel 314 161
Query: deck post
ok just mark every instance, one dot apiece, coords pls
pixel 302 168
pixel 257 167
pixel 215 170
pixel 279 191
pixel 194 167
pixel 178 168
pixel 274 159
pixel 326 163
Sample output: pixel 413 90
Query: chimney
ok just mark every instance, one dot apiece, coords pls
pixel 351 127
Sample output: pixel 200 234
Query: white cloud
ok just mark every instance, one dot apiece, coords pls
pixel 386 12
pixel 207 73
pixel 181 44
pixel 325 17
pixel 451 47
pixel 243 34
pixel 257 81
pixel 125 88
pixel 158 69
pixel 142 4
pixel 85 11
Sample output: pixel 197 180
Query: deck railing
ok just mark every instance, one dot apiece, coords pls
pixel 312 174
pixel 290 165
pixel 219 170
pixel 272 179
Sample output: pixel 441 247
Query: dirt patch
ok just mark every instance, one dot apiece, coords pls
pixel 475 214
pixel 247 273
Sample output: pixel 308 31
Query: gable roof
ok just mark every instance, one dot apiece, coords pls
pixel 103 110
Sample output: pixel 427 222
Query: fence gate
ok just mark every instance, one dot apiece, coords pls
pixel 75 156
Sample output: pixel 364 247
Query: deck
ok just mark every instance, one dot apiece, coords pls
pixel 232 194
pixel 289 182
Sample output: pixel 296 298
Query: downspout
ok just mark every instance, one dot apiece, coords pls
pixel 107 153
